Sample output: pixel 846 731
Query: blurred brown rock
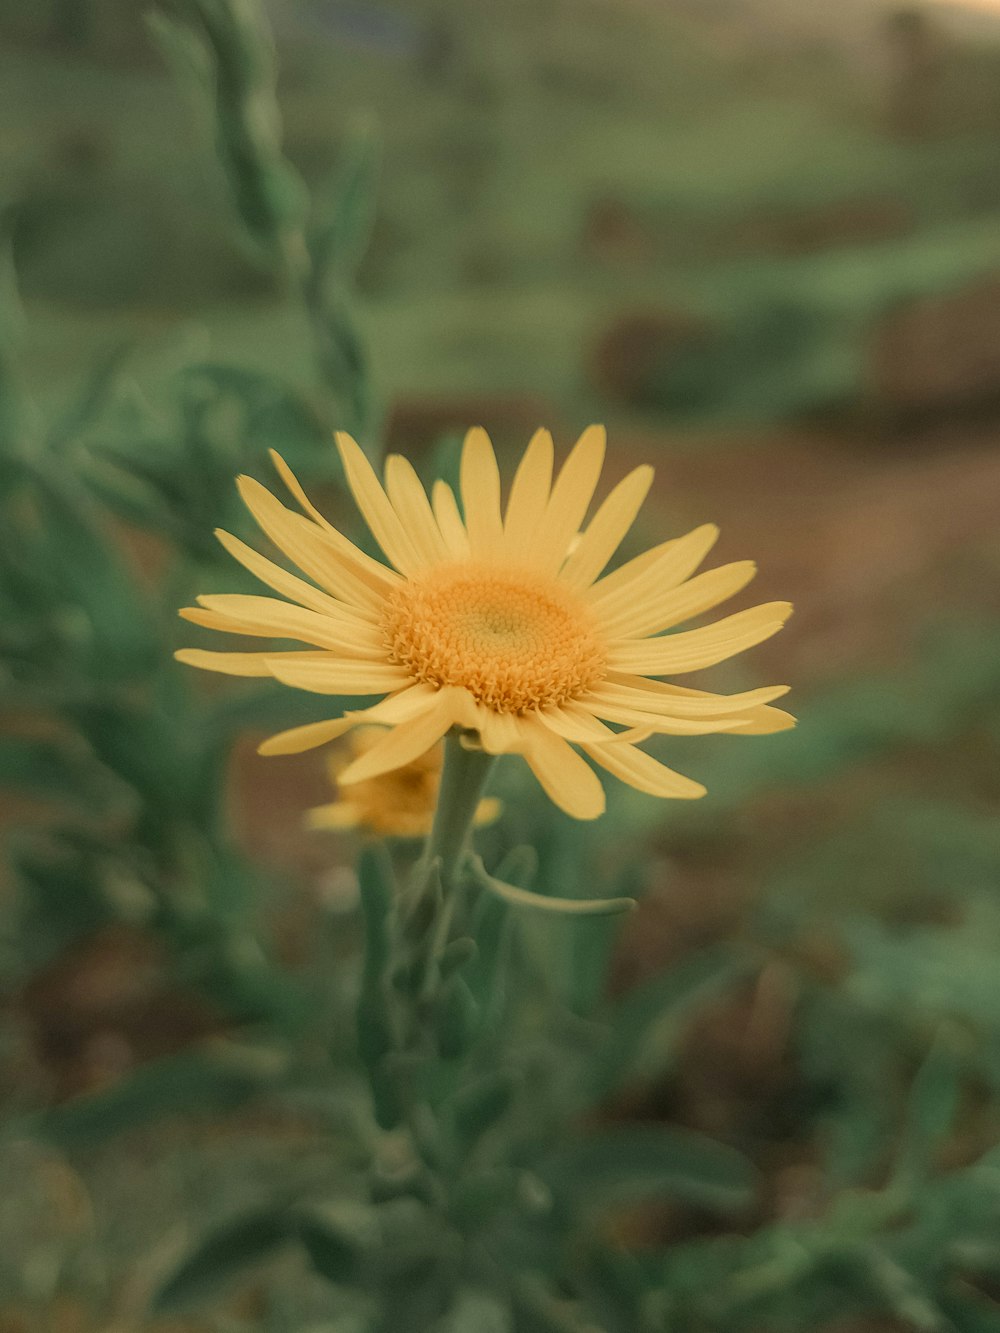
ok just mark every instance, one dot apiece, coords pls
pixel 613 232
pixel 106 1005
pixel 916 53
pixel 841 222
pixel 630 355
pixel 938 353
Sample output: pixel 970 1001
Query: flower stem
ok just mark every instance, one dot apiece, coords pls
pixel 463 778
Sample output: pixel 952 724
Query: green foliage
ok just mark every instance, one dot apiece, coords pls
pixel 626 1164
pixel 469 1124
pixel 209 1081
pixel 224 1255
pixel 225 49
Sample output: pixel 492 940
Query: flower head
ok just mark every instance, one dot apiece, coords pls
pixel 496 620
pixel 397 804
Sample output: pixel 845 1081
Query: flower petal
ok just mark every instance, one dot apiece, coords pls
pixel 652 697
pixel 632 715
pixel 671 606
pixel 696 648
pixel 569 501
pixel 328 675
pixel 336 815
pixel 344 546
pixel 269 617
pixel 659 696
pixel 374 504
pixel 529 495
pixel 396 708
pixel 499 732
pixel 281 580
pixel 575 724
pixel 405 742
pixel 766 721
pixel 296 491
pixel 643 772
pixel 298 739
pixel 453 533
pixel 566 778
pixel 607 529
pixel 480 486
pixel 310 548
pixel 239 664
pixel 409 499
pixel 664 566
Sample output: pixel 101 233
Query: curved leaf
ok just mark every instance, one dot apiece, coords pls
pixel 222 1256
pixel 541 902
pixel 632 1162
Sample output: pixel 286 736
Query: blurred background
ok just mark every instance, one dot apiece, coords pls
pixel 760 240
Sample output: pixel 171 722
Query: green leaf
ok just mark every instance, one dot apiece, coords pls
pixel 87 572
pixel 17 412
pixel 456 1018
pixel 62 772
pixel 228 50
pixel 481 1103
pixel 539 1311
pixel 519 867
pixel 343 359
pixel 375 1013
pixel 336 1236
pixel 338 244
pixel 903 1293
pixel 649 1020
pixel 222 1257
pixel 971 1312
pixel 377 887
pixel 67 888
pixel 930 1112
pixel 525 898
pixel 487 972
pixel 183 51
pixel 90 403
pixel 411 1242
pixel 634 1162
pixel 262 412
pixel 848 1056
pixel 213 1079
pixel 456 955
pixel 477 1312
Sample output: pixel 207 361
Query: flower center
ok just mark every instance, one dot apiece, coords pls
pixel 514 640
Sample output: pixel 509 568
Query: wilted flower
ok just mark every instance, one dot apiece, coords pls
pixel 496 621
pixel 398 804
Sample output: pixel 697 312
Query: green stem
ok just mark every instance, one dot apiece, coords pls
pixel 463 778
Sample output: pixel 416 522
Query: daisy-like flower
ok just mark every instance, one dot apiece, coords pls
pixel 397 804
pixel 496 620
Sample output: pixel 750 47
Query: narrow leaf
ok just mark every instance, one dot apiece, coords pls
pixel 221 1258
pixel 540 902
pixel 634 1162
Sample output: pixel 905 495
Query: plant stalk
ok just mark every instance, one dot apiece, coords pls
pixel 463 778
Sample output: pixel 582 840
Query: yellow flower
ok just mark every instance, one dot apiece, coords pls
pixel 498 622
pixel 398 804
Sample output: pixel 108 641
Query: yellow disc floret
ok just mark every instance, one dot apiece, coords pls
pixel 515 640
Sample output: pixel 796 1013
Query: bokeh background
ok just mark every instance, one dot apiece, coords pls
pixel 760 239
